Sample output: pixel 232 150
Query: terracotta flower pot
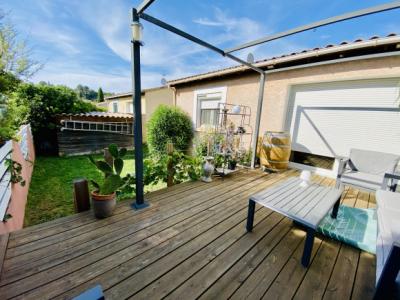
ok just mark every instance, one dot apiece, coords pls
pixel 103 205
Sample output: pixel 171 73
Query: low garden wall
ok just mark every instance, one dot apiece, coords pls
pixel 23 152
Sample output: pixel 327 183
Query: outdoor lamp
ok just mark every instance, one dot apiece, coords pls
pixel 137 29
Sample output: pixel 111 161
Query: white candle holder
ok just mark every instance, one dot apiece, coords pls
pixel 305 177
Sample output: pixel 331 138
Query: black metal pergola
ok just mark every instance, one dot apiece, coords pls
pixel 139 13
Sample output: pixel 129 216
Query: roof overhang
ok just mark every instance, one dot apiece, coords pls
pixel 306 58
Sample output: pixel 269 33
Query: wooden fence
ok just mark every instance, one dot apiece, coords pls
pixel 13 197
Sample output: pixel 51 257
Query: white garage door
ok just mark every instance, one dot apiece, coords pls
pixel 330 118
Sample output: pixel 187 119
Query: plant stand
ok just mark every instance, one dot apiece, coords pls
pixel 232 135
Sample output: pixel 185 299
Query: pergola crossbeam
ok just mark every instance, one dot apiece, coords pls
pixel 332 20
pixel 181 33
pixel 144 5
pixel 196 40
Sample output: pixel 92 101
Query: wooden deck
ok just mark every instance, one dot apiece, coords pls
pixel 191 243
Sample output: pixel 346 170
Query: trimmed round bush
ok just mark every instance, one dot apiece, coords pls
pixel 169 124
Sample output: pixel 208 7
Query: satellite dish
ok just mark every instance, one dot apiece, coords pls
pixel 250 58
pixel 163 81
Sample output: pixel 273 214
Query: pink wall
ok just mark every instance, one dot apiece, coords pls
pixel 19 194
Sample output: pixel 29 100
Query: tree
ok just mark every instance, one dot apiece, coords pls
pixel 91 95
pixel 100 95
pixel 16 65
pixel 15 56
pixel 84 92
pixel 8 82
pixel 81 91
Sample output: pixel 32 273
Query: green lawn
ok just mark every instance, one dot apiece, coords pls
pixel 51 191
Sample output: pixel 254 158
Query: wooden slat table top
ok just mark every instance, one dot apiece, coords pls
pixel 190 243
pixel 306 205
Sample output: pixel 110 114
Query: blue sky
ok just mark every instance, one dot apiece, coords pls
pixel 88 41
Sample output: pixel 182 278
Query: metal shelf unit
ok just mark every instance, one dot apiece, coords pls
pixel 233 124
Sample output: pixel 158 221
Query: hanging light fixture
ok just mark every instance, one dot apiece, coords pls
pixel 137 31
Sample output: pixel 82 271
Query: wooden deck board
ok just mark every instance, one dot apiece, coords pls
pixel 115 231
pixel 191 243
pixel 256 285
pixel 341 282
pixel 292 274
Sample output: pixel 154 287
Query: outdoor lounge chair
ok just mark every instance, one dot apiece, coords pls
pixel 366 169
pixel 388 242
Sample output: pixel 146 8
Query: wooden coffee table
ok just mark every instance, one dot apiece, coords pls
pixel 304 205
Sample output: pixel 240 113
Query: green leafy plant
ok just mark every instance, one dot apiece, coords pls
pixel 185 168
pixel 12 116
pixel 194 167
pixel 218 160
pixel 245 158
pixel 155 169
pixel 233 157
pixel 7 217
pixel 169 124
pixel 15 169
pixel 112 173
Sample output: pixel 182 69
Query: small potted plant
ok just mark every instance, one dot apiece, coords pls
pixel 104 194
pixel 232 163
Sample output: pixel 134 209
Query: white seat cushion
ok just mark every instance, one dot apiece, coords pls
pixel 388 200
pixel 373 162
pixel 361 179
pixel 388 235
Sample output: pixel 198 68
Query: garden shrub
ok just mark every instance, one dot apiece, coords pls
pixel 185 168
pixel 12 116
pixel 169 124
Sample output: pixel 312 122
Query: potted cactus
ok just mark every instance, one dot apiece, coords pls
pixel 104 194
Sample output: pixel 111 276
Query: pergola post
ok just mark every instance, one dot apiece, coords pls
pixel 137 129
pixel 258 119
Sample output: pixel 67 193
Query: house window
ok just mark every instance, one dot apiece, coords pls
pixel 208 108
pixel 129 108
pixel 115 107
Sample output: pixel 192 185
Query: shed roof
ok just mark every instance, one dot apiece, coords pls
pixel 99 114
